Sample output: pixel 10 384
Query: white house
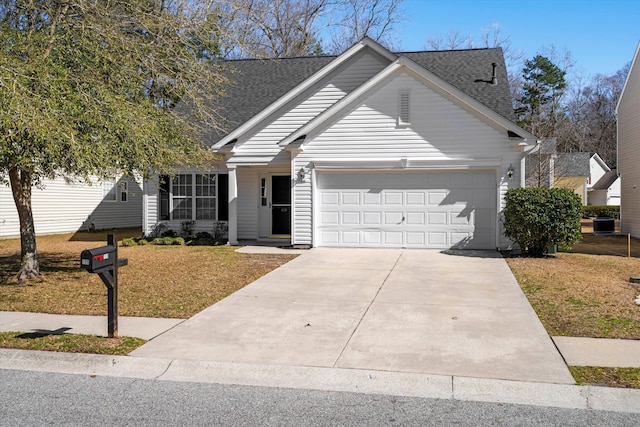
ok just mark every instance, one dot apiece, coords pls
pixel 603 186
pixel 628 112
pixel 367 149
pixel 597 169
pixel 62 206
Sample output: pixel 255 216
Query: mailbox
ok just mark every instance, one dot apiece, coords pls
pixel 97 259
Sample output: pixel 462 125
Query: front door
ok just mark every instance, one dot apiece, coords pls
pixel 281 204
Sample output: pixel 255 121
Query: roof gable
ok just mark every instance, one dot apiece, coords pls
pixel 262 87
pixel 287 81
pixel 606 181
pixel 404 64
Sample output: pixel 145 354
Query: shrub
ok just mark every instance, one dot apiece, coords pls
pixel 600 211
pixel 203 239
pixel 169 233
pixel 178 241
pixel 129 241
pixel 143 242
pixel 186 228
pixel 537 218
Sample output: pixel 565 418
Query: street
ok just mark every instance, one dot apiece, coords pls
pixel 43 398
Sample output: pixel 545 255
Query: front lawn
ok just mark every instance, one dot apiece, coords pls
pixel 160 281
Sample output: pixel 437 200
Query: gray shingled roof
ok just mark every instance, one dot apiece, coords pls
pixel 258 83
pixel 572 164
pixel 606 180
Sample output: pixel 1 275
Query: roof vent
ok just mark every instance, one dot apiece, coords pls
pixel 494 77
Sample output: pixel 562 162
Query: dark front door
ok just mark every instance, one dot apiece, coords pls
pixel 281 204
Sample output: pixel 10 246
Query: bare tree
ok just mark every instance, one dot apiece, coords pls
pixel 489 36
pixel 354 19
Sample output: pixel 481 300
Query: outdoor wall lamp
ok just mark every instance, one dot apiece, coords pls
pixel 301 174
pixel 510 171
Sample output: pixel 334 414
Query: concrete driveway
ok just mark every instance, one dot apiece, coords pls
pixel 419 311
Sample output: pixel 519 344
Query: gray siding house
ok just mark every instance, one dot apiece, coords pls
pixel 370 148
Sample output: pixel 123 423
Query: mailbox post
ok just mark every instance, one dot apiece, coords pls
pixel 104 261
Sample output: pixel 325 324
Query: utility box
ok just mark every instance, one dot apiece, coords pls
pixel 97 259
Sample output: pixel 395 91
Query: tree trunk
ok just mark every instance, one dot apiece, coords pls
pixel 21 189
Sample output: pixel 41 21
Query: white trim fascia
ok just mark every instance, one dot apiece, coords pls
pixel 633 64
pixel 404 164
pixel 601 162
pixel 306 84
pixel 439 84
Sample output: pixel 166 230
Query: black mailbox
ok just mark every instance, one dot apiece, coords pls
pixel 97 259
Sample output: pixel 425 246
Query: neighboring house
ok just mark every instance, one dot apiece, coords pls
pixel 571 170
pixel 606 192
pixel 628 113
pixel 367 149
pixel 603 185
pixel 597 169
pixel 62 206
pixel 545 167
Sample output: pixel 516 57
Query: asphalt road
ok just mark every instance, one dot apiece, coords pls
pixel 42 398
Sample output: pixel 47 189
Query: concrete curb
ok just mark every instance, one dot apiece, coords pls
pixel 328 379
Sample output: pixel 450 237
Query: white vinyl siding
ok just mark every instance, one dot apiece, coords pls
pixel 629 151
pixel 263 146
pixel 441 133
pixel 65 207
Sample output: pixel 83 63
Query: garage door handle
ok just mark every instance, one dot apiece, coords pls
pixel 402 219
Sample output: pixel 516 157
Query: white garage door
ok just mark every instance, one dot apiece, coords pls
pixel 448 209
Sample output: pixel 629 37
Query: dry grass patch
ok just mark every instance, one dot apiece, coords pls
pixel 585 293
pixel 160 281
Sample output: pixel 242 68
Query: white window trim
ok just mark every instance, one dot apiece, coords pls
pixel 194 197
pixel 108 188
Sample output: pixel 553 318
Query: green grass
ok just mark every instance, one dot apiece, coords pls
pixel 607 377
pixel 72 343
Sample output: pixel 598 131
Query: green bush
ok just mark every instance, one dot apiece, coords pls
pixel 178 241
pixel 600 211
pixel 129 241
pixel 537 218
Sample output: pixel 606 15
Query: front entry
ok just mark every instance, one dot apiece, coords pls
pixel 281 204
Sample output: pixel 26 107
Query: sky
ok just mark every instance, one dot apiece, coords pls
pixel 601 35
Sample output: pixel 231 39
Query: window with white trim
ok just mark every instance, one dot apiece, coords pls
pixel 123 187
pixel 109 191
pixel 404 103
pixel 194 197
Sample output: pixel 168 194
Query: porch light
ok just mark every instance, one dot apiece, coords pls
pixel 510 171
pixel 301 174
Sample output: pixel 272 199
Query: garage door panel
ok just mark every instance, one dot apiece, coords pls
pixel 372 198
pixel 351 238
pixel 330 218
pixel 437 218
pixel 415 209
pixel 416 218
pixel 435 198
pixel 330 198
pixel 372 218
pixel 393 218
pixel 351 218
pixel 415 198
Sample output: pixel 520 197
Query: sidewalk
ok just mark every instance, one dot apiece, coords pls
pixel 139 327
pixel 576 351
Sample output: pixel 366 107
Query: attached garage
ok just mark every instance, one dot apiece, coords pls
pixel 418 209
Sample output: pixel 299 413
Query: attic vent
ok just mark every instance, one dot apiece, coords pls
pixel 403 108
